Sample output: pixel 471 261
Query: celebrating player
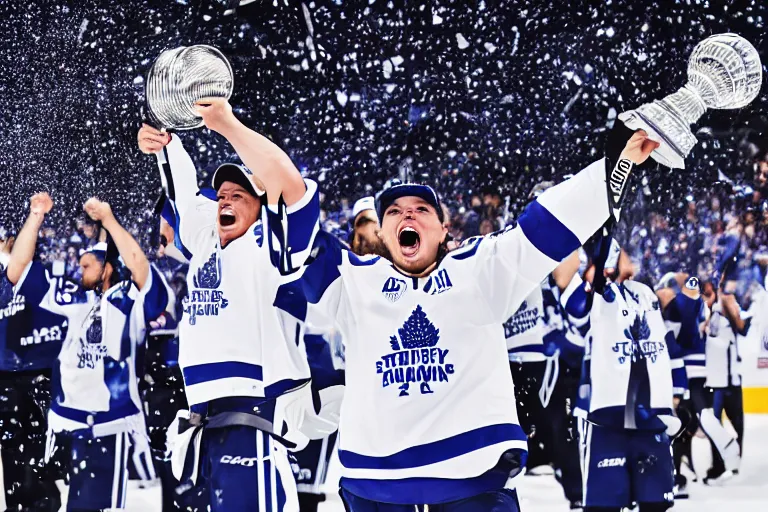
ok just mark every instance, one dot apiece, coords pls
pixel 241 372
pixel 31 339
pixel 96 403
pixel 629 383
pixel 426 417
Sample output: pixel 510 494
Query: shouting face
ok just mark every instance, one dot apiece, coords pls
pixel 412 233
pixel 238 210
pixel 92 270
pixel 366 234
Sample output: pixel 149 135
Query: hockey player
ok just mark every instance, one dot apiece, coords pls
pixel 364 237
pixel 726 323
pixel 96 404
pixel 31 339
pixel 564 348
pixel 685 315
pixel 524 332
pixel 325 353
pixel 426 417
pixel 240 350
pixel 629 385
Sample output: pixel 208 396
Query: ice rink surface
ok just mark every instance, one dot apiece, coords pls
pixel 747 492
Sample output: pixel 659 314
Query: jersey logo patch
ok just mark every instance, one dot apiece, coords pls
pixel 14 306
pixel 394 288
pixel 438 283
pixel 209 275
pixel 207 301
pixel 636 345
pixel 91 350
pixel 415 357
pixel 523 320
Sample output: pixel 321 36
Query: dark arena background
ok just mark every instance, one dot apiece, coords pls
pixel 467 95
pixel 482 99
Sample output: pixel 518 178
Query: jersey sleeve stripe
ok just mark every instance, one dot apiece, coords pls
pixel 438 451
pixel 210 371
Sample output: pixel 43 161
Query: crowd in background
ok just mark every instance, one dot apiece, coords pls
pixel 691 238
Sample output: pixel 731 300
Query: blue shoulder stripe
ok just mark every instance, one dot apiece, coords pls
pixel 547 233
pixel 467 250
pixel 324 267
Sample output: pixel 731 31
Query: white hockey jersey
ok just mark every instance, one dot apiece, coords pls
pixel 630 369
pixel 723 366
pixel 429 408
pixel 95 385
pixel 525 330
pixel 239 334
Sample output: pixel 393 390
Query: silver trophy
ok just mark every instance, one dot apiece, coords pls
pixel 724 72
pixel 182 76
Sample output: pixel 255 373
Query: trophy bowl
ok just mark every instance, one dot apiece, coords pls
pixel 724 72
pixel 180 77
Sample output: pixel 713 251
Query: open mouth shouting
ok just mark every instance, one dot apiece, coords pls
pixel 227 217
pixel 410 241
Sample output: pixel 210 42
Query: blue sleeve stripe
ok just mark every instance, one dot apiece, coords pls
pixel 34 283
pixel 156 299
pixel 467 250
pixel 283 386
pixel 212 371
pixel 438 451
pixel 547 233
pixel 290 298
pixel 324 270
pixel 578 304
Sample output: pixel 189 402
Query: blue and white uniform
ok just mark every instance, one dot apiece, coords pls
pixel 326 361
pixel 95 388
pixel 426 416
pixel 30 337
pixel 723 368
pixel 684 317
pixel 241 351
pixel 30 341
pixel 630 400
pixel 525 330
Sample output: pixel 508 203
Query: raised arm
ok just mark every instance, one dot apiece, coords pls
pixel 732 312
pixel 24 248
pixel 133 257
pixel 269 164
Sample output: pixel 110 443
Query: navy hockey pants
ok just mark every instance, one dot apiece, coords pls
pixel 503 500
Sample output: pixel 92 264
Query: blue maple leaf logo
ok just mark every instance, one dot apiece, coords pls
pixel 209 275
pixel 418 331
pixel 639 330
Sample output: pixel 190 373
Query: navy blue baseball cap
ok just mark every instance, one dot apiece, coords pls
pixel 235 173
pixel 394 189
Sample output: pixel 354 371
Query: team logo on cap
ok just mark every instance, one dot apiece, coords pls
pixel 394 288
pixel 692 283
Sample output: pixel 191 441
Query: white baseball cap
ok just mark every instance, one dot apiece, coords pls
pixel 361 205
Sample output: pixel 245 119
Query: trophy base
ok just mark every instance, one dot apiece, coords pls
pixel 667 153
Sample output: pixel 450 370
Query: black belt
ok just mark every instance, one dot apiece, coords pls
pixel 233 419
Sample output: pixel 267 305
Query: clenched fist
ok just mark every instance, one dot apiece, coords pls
pixel 639 147
pixel 40 203
pixel 98 210
pixel 152 140
pixel 216 113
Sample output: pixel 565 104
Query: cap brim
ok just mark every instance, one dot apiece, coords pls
pixel 235 174
pixel 392 194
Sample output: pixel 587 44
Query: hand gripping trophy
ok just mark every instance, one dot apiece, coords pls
pixel 182 76
pixel 724 72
